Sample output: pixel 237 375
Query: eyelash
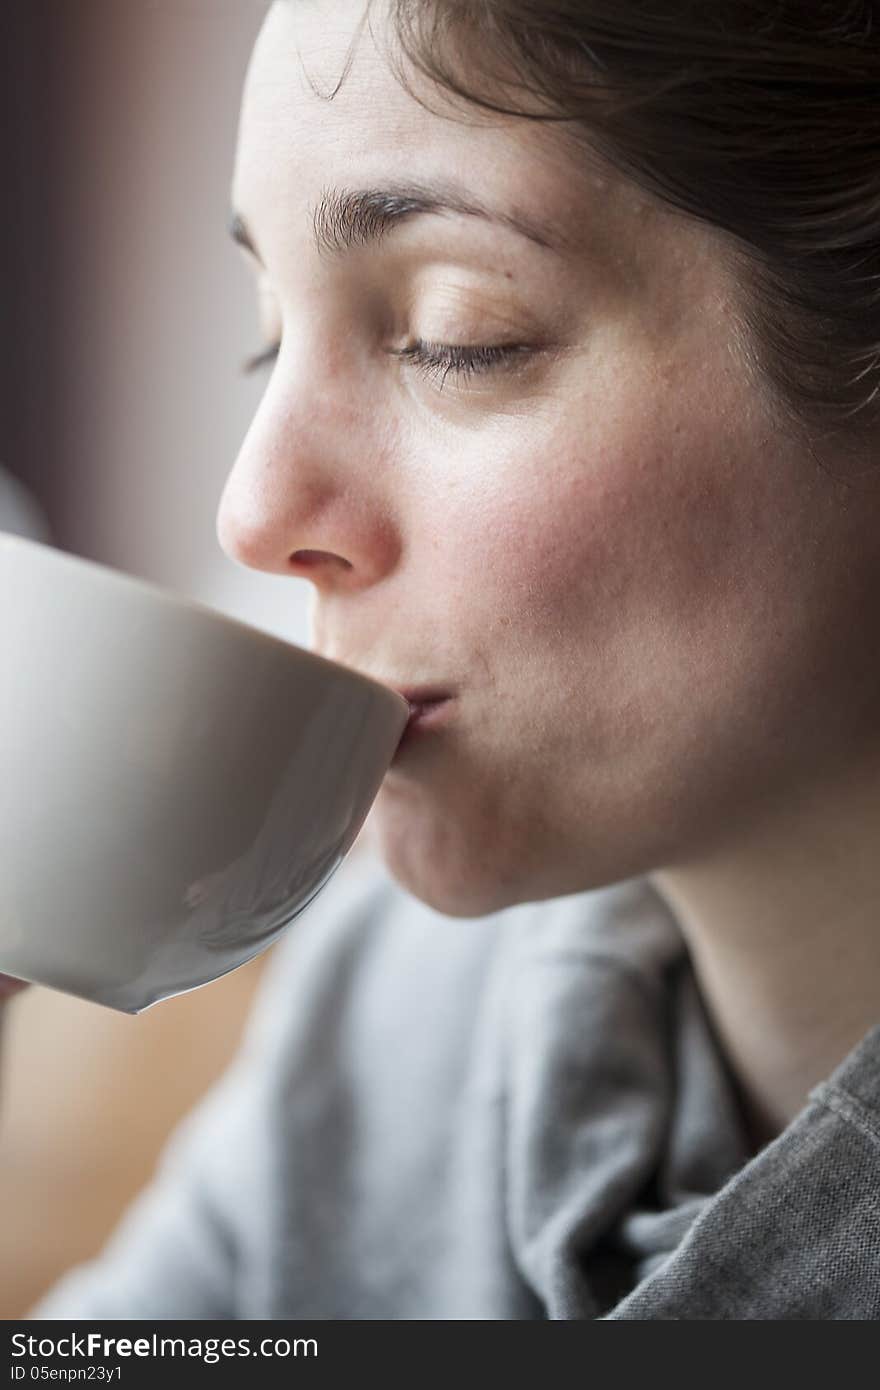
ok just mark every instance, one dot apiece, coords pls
pixel 432 359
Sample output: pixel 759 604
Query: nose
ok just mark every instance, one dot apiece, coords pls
pixel 308 495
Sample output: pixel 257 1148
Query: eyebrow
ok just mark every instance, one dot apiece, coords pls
pixel 344 219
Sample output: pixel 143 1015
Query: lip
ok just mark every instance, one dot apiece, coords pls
pixel 428 707
pixel 420 697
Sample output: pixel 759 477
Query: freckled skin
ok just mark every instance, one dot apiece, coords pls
pixel 656 612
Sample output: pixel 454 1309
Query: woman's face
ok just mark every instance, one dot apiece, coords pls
pixel 646 603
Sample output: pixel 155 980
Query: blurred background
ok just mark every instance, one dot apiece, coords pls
pixel 126 312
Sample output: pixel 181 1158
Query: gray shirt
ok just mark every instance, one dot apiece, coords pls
pixel 519 1116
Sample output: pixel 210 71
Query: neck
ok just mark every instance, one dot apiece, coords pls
pixel 783 932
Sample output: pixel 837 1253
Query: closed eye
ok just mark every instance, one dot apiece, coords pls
pixel 435 360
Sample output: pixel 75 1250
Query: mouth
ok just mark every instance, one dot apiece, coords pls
pixel 428 707
pixel 423 698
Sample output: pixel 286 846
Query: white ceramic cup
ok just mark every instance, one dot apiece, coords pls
pixel 175 787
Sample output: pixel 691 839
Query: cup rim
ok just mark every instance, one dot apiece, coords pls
pixel 54 555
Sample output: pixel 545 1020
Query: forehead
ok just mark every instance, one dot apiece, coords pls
pixel 322 106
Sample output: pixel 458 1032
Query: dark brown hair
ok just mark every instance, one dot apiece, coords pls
pixel 758 117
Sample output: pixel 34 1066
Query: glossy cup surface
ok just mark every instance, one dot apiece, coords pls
pixel 175 787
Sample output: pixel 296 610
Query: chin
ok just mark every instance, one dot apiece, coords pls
pixel 453 896
pixel 445 873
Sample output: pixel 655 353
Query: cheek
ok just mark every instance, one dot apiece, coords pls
pixel 641 569
pixel 644 522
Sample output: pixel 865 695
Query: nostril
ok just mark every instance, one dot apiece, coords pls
pixel 308 559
